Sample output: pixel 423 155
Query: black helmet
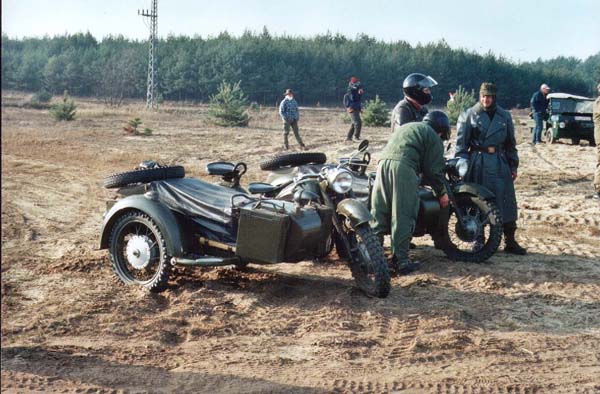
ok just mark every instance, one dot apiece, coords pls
pixel 439 122
pixel 414 84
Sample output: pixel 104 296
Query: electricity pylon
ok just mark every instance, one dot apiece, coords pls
pixel 151 94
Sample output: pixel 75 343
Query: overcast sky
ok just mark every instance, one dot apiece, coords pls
pixel 521 30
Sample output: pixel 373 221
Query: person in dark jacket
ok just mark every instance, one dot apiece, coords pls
pixel 486 138
pixel 539 105
pixel 354 107
pixel 415 149
pixel 596 116
pixel 417 94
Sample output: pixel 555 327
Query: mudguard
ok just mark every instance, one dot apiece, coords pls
pixel 164 218
pixel 474 189
pixel 355 211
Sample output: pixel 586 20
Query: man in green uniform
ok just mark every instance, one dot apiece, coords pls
pixel 415 148
pixel 596 195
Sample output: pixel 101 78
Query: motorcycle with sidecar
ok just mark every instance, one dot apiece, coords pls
pixel 162 219
pixel 470 229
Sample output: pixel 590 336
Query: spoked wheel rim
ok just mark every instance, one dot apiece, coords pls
pixel 137 251
pixel 475 233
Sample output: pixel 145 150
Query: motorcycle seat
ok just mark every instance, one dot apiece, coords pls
pixel 220 168
pixel 261 188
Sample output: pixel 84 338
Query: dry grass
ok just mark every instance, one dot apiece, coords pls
pixel 516 324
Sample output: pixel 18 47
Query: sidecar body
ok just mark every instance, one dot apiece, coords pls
pixel 212 225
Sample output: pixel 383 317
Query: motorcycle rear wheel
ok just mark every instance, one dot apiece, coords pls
pixel 473 245
pixel 369 265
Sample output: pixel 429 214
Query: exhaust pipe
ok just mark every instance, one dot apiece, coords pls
pixel 206 261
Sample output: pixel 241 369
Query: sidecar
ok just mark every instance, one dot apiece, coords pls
pixel 161 221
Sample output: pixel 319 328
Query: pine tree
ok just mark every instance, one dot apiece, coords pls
pixel 459 102
pixel 228 106
pixel 376 113
pixel 64 110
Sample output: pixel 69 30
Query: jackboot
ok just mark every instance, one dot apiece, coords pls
pixel 510 243
pixel 404 266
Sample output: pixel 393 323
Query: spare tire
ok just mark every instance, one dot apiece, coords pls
pixel 143 176
pixel 292 160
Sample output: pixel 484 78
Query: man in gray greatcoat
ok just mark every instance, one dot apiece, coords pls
pixel 486 138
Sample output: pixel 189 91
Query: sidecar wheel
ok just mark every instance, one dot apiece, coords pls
pixel 138 252
pixel 478 243
pixel 369 268
pixel 143 176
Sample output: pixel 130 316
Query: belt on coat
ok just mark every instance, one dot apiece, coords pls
pixel 486 149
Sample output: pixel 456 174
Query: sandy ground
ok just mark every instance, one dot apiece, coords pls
pixel 512 325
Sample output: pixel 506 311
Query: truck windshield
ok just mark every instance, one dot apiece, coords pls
pixel 560 106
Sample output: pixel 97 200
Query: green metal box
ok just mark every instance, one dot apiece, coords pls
pixel 280 232
pixel 262 235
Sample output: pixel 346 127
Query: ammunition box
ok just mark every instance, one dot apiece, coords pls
pixel 262 235
pixel 283 234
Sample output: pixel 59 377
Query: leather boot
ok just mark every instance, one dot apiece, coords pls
pixel 510 243
pixel 403 267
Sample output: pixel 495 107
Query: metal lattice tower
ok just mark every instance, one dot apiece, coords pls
pixel 151 95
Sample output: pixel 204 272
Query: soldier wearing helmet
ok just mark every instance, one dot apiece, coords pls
pixel 417 94
pixel 416 148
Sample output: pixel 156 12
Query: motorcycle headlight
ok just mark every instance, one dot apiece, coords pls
pixel 561 125
pixel 462 166
pixel 340 180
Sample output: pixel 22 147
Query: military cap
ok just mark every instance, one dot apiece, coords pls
pixel 487 89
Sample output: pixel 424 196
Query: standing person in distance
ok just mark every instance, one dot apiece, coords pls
pixel 352 101
pixel 288 110
pixel 486 138
pixel 539 105
pixel 596 195
pixel 417 94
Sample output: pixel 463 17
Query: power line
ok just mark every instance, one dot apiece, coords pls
pixel 151 94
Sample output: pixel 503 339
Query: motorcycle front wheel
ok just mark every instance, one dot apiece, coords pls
pixel 368 263
pixel 478 239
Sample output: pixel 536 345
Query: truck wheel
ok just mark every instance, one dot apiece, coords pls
pixel 292 160
pixel 143 176
pixel 575 141
pixel 480 240
pixel 369 266
pixel 549 136
pixel 138 252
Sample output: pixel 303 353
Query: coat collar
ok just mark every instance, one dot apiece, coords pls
pixel 490 126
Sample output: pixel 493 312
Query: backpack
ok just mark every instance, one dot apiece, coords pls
pixel 347 99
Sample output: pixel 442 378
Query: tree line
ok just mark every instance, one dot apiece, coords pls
pixel 317 68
